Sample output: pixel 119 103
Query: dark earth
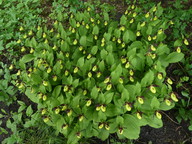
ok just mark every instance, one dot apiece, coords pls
pixel 171 133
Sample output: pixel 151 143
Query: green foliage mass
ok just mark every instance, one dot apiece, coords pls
pixel 93 76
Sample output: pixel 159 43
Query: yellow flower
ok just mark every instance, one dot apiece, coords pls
pixel 143 24
pixel 186 42
pixel 98 108
pixel 84 92
pixel 155 37
pixel 131 72
pixel 153 48
pixel 89 56
pixel 44 35
pixel 121 80
pixel 23 49
pixel 128 107
pixel 134 14
pixel 147 15
pixel 120 131
pixel 81 117
pixel 77 24
pixel 98 74
pixel 152 89
pixel 178 50
pixel 45 83
pixel 101 125
pixel 149 38
pixel 32 50
pixel 107 80
pixel 131 21
pixel 44 97
pixel 119 41
pixel 65 126
pixel 57 110
pixel 69 113
pixel 127 65
pixel 139 116
pixel 46 119
pixel 105 23
pixel 160 76
pixel 94 68
pixel 55 78
pixel 168 102
pixel 75 42
pixel 126 12
pixel 155 18
pixel 66 72
pixel 76 69
pixel 107 127
pixel 21 28
pixel 109 86
pixel 174 97
pixel 43 111
pixel 160 31
pixel 138 33
pixel 103 108
pixel 89 74
pixel 140 100
pixel 158 115
pixel 169 81
pixel 66 88
pixel 87 26
pixel 131 79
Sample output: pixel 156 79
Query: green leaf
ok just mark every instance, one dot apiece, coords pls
pixel 178 42
pixel 149 30
pixel 120 120
pixel 27 58
pixel 132 128
pixel 83 41
pixel 154 122
pixel 147 79
pixel 108 97
pixel 57 91
pixel 1 45
pixel 94 93
pixel 110 59
pixel 123 20
pixel 103 54
pixel 75 83
pixel 29 111
pixel 174 57
pixel 125 95
pixel 80 62
pixel 162 49
pixel 115 75
pixel 155 103
pixel 126 37
pixel 94 50
pixel 95 30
